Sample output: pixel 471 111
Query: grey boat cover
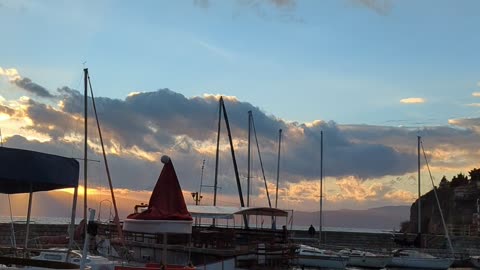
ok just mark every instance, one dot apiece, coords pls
pixel 22 171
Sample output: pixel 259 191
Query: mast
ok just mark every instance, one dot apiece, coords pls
pixel 235 167
pixel 85 146
pixel 217 153
pixel 419 220
pixel 248 157
pixel 278 165
pixel 321 187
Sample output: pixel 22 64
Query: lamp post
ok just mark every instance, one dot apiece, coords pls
pixel 197 199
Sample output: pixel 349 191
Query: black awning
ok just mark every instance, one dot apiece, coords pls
pixel 22 171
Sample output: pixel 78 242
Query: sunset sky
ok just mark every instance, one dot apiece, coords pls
pixel 371 74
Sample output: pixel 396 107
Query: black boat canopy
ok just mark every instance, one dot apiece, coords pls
pixel 24 171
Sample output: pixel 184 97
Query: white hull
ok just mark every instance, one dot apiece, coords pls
pixel 475 261
pixel 322 261
pixel 425 263
pixel 158 226
pixel 221 265
pixel 370 261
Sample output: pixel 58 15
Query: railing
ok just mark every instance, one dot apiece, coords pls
pixel 463 230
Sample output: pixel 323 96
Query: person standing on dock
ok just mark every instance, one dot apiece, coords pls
pixel 311 231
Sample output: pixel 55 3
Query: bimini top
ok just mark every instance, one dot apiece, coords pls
pixel 228 212
pixel 24 171
pixel 166 201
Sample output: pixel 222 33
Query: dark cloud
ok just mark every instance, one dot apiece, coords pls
pixel 266 9
pixel 27 85
pixel 166 122
pixel 381 7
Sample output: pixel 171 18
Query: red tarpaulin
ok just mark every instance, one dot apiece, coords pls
pixel 166 202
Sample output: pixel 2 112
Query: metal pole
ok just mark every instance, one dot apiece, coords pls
pixel 321 188
pixel 85 145
pixel 217 154
pixel 27 230
pixel 248 157
pixel 116 218
pixel 278 165
pixel 71 228
pixel 235 167
pixel 91 217
pixel 419 220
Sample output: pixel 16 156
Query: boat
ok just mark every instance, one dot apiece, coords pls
pixel 361 258
pixel 305 255
pixel 410 258
pixel 475 261
pixel 315 257
pixel 75 257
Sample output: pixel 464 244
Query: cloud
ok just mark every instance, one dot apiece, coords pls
pixel 216 50
pixel 478 84
pixel 202 3
pixel 414 100
pixel 28 85
pixel 141 127
pixel 400 196
pixel 352 188
pixel 476 94
pixel 473 104
pixel 25 83
pixel 381 7
pixel 10 73
pixel 267 9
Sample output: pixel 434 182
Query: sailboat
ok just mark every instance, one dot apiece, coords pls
pixel 408 258
pixel 309 256
pixel 362 258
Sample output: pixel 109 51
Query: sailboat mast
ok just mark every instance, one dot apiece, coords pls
pixel 419 220
pixel 217 153
pixel 278 165
pixel 248 157
pixel 321 188
pixel 85 146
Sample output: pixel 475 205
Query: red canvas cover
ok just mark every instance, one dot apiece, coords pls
pixel 166 202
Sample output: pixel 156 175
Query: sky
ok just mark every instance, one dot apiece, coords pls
pixel 371 74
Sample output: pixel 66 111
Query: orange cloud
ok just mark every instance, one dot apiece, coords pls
pixel 352 188
pixel 413 100
pixel 401 196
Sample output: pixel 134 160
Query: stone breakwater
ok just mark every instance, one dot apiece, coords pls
pixel 39 233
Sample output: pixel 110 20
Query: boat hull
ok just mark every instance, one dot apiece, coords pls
pixel 425 263
pixel 321 261
pixel 369 261
pixel 475 261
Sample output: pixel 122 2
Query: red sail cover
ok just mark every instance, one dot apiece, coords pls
pixel 166 202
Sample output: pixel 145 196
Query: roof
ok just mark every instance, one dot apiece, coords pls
pixel 24 171
pixel 227 212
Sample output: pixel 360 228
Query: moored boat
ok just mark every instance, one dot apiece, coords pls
pixel 409 258
pixel 475 261
pixel 367 259
pixel 75 257
pixel 315 257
